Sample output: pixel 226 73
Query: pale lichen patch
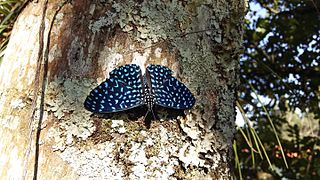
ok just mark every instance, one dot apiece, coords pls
pixel 122 130
pixel 117 123
pixel 94 163
pixel 65 101
pixel 10 122
pixel 104 21
pixel 157 52
pixel 109 59
pixel 17 103
pixel 148 24
pixel 145 158
pixel 55 52
pixel 141 59
pixel 188 127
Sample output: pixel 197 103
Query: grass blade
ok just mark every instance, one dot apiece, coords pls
pixel 272 125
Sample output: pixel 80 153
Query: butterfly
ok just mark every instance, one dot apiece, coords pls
pixel 127 88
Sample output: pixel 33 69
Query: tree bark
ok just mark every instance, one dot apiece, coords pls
pixel 48 70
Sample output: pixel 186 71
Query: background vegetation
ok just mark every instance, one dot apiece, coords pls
pixel 9 10
pixel 280 88
pixel 280 91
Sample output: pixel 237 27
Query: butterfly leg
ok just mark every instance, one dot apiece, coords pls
pixel 147 121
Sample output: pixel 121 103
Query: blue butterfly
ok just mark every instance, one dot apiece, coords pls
pixel 126 88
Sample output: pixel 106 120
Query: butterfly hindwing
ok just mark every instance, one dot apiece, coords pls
pixel 169 91
pixel 123 90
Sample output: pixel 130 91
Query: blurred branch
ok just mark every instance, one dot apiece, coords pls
pixel 315 6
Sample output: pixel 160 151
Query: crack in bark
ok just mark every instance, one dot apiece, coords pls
pixel 42 57
pixel 36 89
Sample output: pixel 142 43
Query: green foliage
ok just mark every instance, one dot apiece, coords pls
pixel 9 10
pixel 281 62
pixel 282 57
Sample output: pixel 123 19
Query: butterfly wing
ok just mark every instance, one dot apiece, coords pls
pixel 122 91
pixel 169 91
pixel 129 74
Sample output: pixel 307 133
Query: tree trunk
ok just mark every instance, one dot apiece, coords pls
pixel 46 80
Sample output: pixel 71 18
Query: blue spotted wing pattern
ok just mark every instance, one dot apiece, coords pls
pixel 169 91
pixel 123 90
pixel 126 88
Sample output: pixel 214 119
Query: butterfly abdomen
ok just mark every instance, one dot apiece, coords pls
pixel 149 99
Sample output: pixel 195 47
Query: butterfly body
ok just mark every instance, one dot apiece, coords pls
pixel 127 88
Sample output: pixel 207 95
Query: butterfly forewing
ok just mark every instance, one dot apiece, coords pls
pixel 130 74
pixel 123 90
pixel 169 91
pixel 158 74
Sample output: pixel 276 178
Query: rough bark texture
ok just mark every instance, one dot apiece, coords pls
pixel 88 40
